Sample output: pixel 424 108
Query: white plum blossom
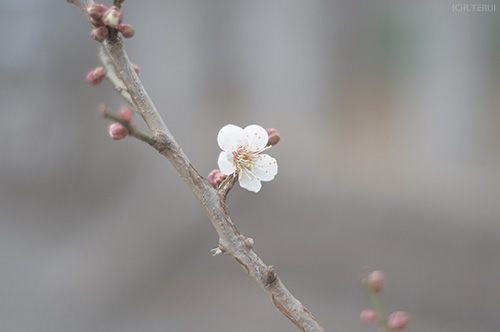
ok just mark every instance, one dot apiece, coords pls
pixel 242 155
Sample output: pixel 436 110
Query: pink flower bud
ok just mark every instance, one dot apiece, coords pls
pixel 117 131
pixel 368 316
pixel 136 68
pixel 95 77
pixel 376 281
pixel 216 177
pixel 96 10
pixel 113 17
pixel 120 2
pixel 100 34
pixel 127 30
pixel 398 320
pixel 126 113
pixel 274 136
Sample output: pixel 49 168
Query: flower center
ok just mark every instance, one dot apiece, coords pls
pixel 243 159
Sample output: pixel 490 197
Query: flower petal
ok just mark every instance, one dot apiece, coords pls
pixel 248 182
pixel 256 136
pixel 230 137
pixel 265 167
pixel 225 162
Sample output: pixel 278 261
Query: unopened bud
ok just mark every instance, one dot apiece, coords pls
pixel 375 281
pixel 100 34
pixel 117 131
pixel 136 68
pixel 216 177
pixel 398 320
pixel 368 316
pixel 113 17
pixel 95 77
pixel 120 2
pixel 274 136
pixel 96 11
pixel 127 30
pixel 126 113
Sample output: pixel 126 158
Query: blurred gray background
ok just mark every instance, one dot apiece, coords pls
pixel 389 113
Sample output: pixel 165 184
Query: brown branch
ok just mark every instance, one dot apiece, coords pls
pixel 231 242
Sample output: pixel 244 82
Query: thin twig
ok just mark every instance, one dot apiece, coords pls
pixel 231 242
pixel 227 185
pixel 112 76
pixel 131 128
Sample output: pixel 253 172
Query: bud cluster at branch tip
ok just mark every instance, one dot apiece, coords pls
pixel 96 76
pixel 216 177
pixel 103 18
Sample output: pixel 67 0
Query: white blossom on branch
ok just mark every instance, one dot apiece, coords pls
pixel 242 155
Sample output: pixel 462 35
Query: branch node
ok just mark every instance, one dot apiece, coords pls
pixel 160 142
pixel 270 275
pixel 248 241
